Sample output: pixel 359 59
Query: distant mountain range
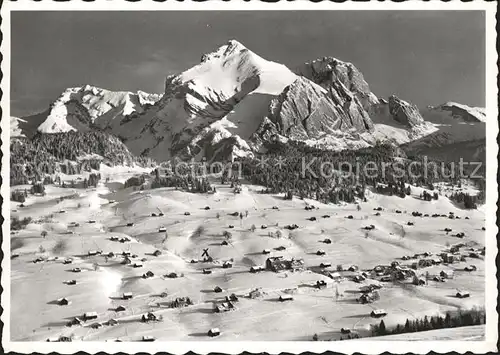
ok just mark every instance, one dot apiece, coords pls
pixel 235 102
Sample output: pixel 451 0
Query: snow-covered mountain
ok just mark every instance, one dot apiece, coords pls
pixel 78 108
pixel 233 103
pixel 462 112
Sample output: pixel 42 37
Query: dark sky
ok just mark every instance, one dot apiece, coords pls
pixel 424 57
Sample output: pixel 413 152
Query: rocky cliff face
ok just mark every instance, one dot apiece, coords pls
pixel 328 70
pixel 305 110
pixel 404 112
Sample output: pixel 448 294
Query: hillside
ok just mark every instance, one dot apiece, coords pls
pixel 31 159
pixel 83 220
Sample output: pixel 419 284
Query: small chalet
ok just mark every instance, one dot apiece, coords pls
pixel 157 253
pixel 90 315
pixel 284 298
pixel 127 295
pixel 255 293
pixel 214 332
pixel 255 269
pixel 63 302
pixel 446 274
pixel 377 313
pixel 149 317
pixel 112 322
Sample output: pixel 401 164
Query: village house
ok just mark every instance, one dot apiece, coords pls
pixel 149 317
pixel 470 268
pixel 112 322
pixel 75 321
pixel 284 298
pixel 377 313
pixel 279 263
pixel 90 315
pixel 157 253
pixel 127 295
pixel 334 276
pixel 257 268
pixel 120 308
pixel 358 278
pixel 96 325
pixel 180 302
pixel 462 294
pixel 446 274
pixel 224 307
pixel 63 302
pixel 255 293
pixel 232 298
pixel 214 332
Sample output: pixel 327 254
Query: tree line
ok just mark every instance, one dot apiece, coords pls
pixel 461 318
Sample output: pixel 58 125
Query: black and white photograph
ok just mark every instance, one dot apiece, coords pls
pixel 207 177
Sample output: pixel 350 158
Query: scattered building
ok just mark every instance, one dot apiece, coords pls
pixel 90 315
pixel 255 269
pixel 279 263
pixel 157 253
pixel 63 302
pixel 284 298
pixel 214 332
pixel 377 313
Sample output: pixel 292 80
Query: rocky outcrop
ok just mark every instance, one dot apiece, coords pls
pixel 305 110
pixel 328 70
pixel 404 112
